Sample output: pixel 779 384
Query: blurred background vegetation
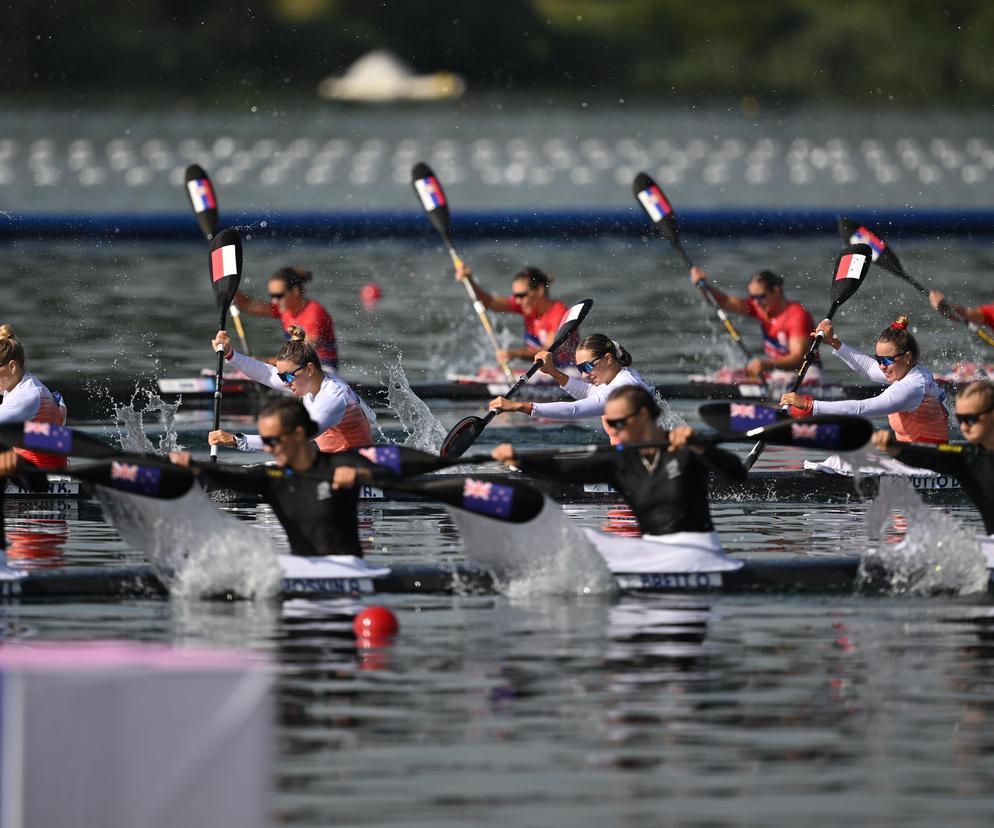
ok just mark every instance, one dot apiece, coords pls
pixel 902 52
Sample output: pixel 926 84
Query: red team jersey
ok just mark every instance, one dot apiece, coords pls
pixel 793 321
pixel 316 321
pixel 988 312
pixel 539 327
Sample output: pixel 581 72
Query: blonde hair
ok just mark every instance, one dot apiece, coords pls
pixel 981 388
pixel 10 348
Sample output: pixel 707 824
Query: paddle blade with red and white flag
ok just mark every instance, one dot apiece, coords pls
pixel 225 269
pixel 851 268
pixel 657 207
pixel 430 194
pixel 881 252
pixel 203 199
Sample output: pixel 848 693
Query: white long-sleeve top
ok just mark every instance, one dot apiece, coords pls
pixel 27 399
pixel 914 404
pixel 589 398
pixel 343 419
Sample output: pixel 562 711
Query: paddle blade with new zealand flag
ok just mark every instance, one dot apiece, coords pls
pixel 881 252
pixel 225 269
pixel 158 480
pixel 54 439
pixel 203 199
pixel 657 207
pixel 851 267
pixel 430 194
pixel 500 497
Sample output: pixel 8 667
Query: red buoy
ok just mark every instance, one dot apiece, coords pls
pixel 370 294
pixel 375 623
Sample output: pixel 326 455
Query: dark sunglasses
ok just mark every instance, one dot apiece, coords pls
pixel 289 376
pixel 588 366
pixel 758 297
pixel 972 419
pixel 618 423
pixel 521 295
pixel 276 296
pixel 888 360
pixel 272 441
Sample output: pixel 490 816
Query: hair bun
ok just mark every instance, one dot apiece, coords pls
pixel 900 324
pixel 297 334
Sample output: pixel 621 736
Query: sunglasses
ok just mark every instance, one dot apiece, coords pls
pixel 972 419
pixel 758 297
pixel 275 297
pixel 886 361
pixel 289 376
pixel 272 441
pixel 618 423
pixel 588 366
pixel 521 295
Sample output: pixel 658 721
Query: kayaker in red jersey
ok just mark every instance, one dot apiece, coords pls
pixel 980 315
pixel 26 399
pixel 913 403
pixel 529 298
pixel 786 326
pixel 288 304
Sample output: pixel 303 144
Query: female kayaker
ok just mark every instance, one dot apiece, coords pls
pixel 913 403
pixel 666 488
pixel 529 298
pixel 288 304
pixel 980 314
pixel 318 511
pixel 342 418
pixel 606 366
pixel 974 469
pixel 785 325
pixel 25 398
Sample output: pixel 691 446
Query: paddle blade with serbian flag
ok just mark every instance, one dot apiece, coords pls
pixel 851 268
pixel 203 200
pixel 881 252
pixel 657 206
pixel 225 269
pixel 432 197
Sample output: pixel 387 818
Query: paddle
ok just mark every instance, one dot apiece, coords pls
pixel 660 212
pixel 884 256
pixel 436 206
pixel 226 272
pixel 851 267
pixel 467 430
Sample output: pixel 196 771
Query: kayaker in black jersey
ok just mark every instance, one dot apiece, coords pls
pixel 317 511
pixel 975 466
pixel 667 489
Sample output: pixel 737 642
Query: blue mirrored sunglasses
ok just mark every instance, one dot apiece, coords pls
pixel 289 376
pixel 888 360
pixel 588 366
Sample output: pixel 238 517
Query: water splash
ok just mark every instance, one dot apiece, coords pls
pixel 198 550
pixel 549 555
pixel 423 430
pixel 920 551
pixel 131 426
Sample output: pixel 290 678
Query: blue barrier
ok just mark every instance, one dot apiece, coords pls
pixel 566 224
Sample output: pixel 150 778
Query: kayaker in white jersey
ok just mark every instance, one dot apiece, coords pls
pixel 605 364
pixel 913 403
pixel 26 399
pixel 343 419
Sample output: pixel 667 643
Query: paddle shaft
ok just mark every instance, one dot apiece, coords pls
pixel 218 379
pixel 946 309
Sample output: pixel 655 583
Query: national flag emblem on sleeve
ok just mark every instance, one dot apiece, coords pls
pixel 47 437
pixel 388 456
pixel 201 194
pixel 875 243
pixel 430 192
pixel 745 416
pixel 134 478
pixel 224 262
pixel 487 498
pixel 655 203
pixel 850 266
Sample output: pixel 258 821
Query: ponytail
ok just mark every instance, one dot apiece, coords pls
pixel 11 349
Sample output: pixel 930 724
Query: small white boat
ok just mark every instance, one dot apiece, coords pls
pixel 382 77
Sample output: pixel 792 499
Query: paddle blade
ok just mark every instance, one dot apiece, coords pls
pixel 200 192
pixel 163 480
pixel 571 322
pixel 506 499
pixel 657 206
pixel 737 418
pixel 461 437
pixel 880 251
pixel 225 268
pixel 430 194
pixel 55 439
pixel 851 267
pixel 747 421
pixel 403 461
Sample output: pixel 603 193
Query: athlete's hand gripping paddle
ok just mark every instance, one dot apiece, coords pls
pixel 225 272
pixel 468 429
pixel 429 191
pixel 851 267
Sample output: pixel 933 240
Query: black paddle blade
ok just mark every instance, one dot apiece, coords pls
pixel 200 192
pixel 737 418
pixel 160 480
pixel 500 497
pixel 461 437
pixel 225 268
pixel 832 432
pixel 853 233
pixel 429 191
pixel 403 461
pixel 851 267
pixel 657 206
pixel 55 439
pixel 571 322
